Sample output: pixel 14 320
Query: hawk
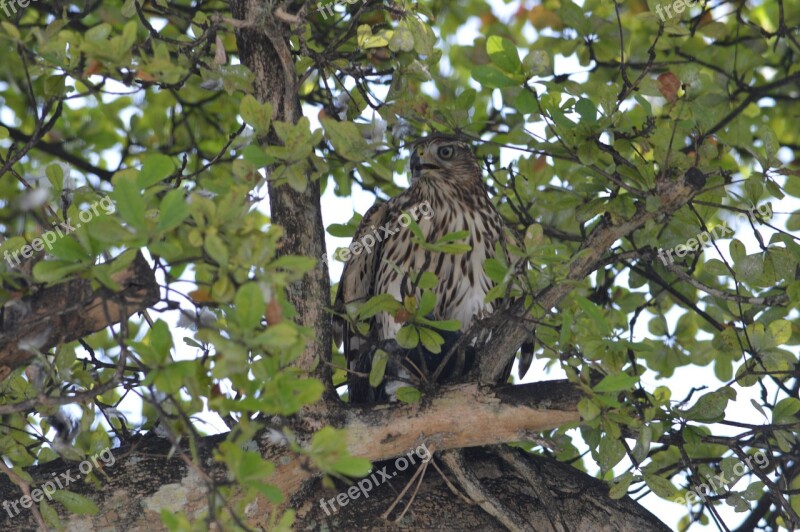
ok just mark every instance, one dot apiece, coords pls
pixel 447 179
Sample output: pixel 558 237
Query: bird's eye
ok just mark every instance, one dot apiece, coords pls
pixel 446 152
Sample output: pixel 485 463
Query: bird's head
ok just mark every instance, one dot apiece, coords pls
pixel 443 157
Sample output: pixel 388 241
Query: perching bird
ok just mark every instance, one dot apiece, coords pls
pixel 448 190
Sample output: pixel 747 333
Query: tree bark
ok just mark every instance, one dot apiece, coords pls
pixel 147 476
pixel 548 496
pixel 264 48
pixel 65 312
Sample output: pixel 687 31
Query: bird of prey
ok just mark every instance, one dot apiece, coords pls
pixel 447 179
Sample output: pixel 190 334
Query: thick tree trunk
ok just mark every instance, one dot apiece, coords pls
pixel 264 48
pixel 549 495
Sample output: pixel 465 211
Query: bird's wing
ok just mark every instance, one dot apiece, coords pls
pixel 358 277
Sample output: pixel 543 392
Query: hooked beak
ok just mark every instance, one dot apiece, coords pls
pixel 420 161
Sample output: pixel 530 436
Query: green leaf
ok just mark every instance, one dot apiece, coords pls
pixel 642 447
pixel 785 411
pixel 67 248
pixel 174 521
pixel 402 40
pixel 537 63
pixel 50 515
pixel 587 110
pixel 128 8
pixel 779 332
pixel 588 409
pixel 352 466
pixel 758 407
pixel 216 248
pixel 154 170
pixel 495 270
pixel 442 325
pixel 609 453
pixel 250 305
pixel 160 339
pixel 99 33
pixel 660 485
pixel 526 103
pixel 754 491
pixel 770 140
pixel 251 468
pixel 594 314
pixel 76 503
pixel 172 377
pixel 407 337
pixel 256 114
pixel 566 329
pixel 431 340
pixel 294 263
pixel 738 502
pixel 616 383
pixel 426 280
pixel 620 485
pixel 737 250
pixel 173 211
pixel 346 139
pixel 11 30
pixel 54 271
pixel 108 230
pixel 378 303
pixel 711 406
pixel 503 53
pixel 279 336
pixel 589 154
pixel 367 40
pixel 341 230
pixel 424 37
pixel 408 394
pixel 54 86
pixel 492 78
pixel 426 303
pixel 256 156
pixel 376 373
pixel 129 201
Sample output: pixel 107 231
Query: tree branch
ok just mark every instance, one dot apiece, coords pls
pixel 56 149
pixel 509 334
pixel 65 312
pixel 445 420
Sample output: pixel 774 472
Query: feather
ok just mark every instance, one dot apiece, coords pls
pixel 447 178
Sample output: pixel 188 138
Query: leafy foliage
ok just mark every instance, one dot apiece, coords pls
pixel 602 103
